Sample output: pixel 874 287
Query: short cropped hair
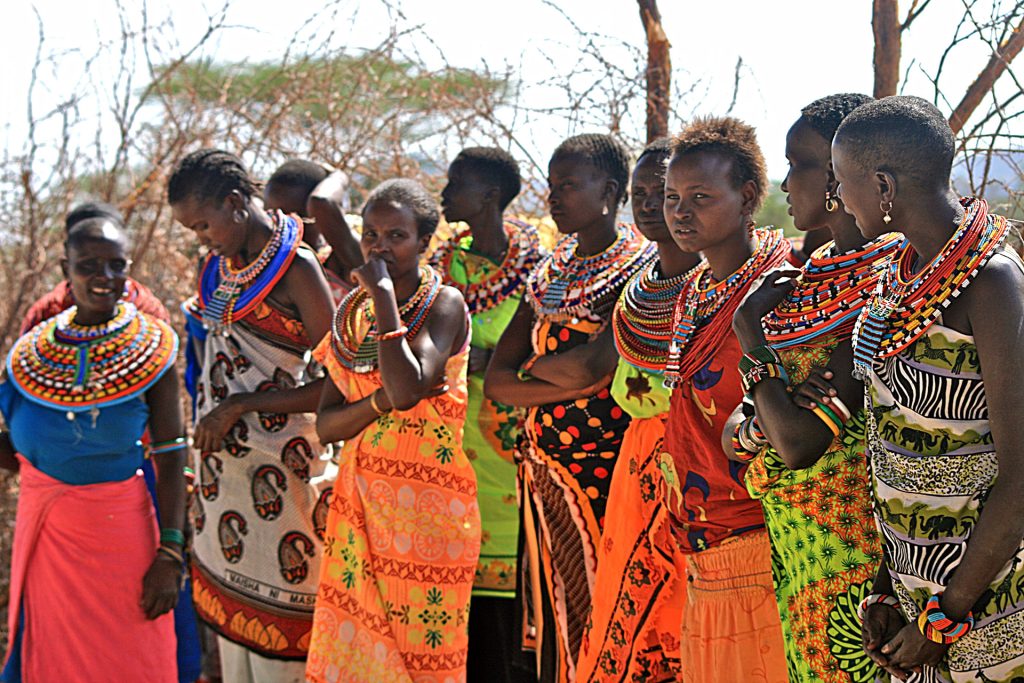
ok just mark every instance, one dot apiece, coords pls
pixel 91 229
pixel 904 135
pixel 301 174
pixel 733 139
pixel 495 166
pixel 824 115
pixel 602 152
pixel 410 194
pixel 87 210
pixel 209 174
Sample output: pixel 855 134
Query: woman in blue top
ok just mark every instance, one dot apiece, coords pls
pixel 92 580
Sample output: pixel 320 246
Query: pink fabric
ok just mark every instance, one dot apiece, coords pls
pixel 79 556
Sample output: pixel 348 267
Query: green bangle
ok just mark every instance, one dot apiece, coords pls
pixel 835 418
pixel 175 536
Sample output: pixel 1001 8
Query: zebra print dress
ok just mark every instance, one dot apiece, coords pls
pixel 933 464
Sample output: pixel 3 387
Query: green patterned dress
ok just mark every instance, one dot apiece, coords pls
pixel 933 464
pixel 826 548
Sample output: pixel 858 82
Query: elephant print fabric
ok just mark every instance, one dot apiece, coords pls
pixel 933 464
pixel 257 545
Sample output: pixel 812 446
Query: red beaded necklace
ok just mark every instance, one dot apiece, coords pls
pixel 829 294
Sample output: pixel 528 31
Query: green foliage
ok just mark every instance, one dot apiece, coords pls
pixel 776 211
pixel 319 87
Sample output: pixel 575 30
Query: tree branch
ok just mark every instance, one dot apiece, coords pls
pixel 997 64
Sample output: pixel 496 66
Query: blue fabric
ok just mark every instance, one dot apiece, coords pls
pixel 12 672
pixel 195 337
pixel 74 451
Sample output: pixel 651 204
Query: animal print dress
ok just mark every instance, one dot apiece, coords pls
pixel 933 465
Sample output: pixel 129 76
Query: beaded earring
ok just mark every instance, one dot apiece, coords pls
pixel 831 203
pixel 886 218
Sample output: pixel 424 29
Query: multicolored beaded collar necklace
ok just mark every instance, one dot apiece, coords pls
pixel 507 279
pixel 227 294
pixel 76 368
pixel 905 304
pixel 567 287
pixel 642 319
pixel 354 332
pixel 703 316
pixel 829 294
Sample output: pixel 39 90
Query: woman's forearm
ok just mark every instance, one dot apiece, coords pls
pixel 345 421
pixel 170 488
pixel 302 399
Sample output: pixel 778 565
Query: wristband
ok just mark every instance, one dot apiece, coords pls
pixel 844 413
pixel 175 536
pixel 874 599
pixel 373 404
pixel 938 628
pixel 759 373
pixel 393 334
pixel 167 446
pixel 524 369
pixel 760 355
pixel 819 410
pixel 173 554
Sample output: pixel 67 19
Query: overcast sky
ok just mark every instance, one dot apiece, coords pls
pixel 793 52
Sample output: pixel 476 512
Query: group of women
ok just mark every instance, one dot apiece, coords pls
pixel 673 450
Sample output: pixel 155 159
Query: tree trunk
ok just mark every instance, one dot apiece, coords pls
pixel 885 24
pixel 982 85
pixel 659 70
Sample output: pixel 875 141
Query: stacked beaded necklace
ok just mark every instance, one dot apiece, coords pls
pixel 829 294
pixel 703 315
pixel 508 278
pixel 61 364
pixel 642 320
pixel 566 287
pixel 227 293
pixel 905 304
pixel 354 332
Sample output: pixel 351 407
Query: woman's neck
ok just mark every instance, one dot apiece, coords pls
pixel 259 230
pixel 726 258
pixel 672 261
pixel 91 318
pixel 489 236
pixel 931 223
pixel 597 237
pixel 846 234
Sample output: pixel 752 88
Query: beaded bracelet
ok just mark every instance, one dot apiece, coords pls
pixel 739 449
pixel 760 355
pixel 373 404
pixel 167 446
pixel 747 440
pixel 938 628
pixel 171 535
pixel 393 334
pixel 874 599
pixel 759 373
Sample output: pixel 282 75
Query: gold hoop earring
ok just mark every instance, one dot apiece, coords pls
pixel 831 203
pixel 886 218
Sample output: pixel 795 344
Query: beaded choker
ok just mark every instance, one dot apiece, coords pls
pixel 703 315
pixel 642 320
pixel 904 305
pixel 829 294
pixel 354 332
pixel 507 279
pixel 227 294
pixel 567 287
pixel 60 364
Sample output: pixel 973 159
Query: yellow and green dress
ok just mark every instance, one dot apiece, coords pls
pixel 826 548
pixel 492 291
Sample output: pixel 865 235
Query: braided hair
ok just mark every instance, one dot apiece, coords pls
pixel 495 166
pixel 824 115
pixel 209 174
pixel 732 139
pixel 602 152
pixel 412 195
pixel 660 147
